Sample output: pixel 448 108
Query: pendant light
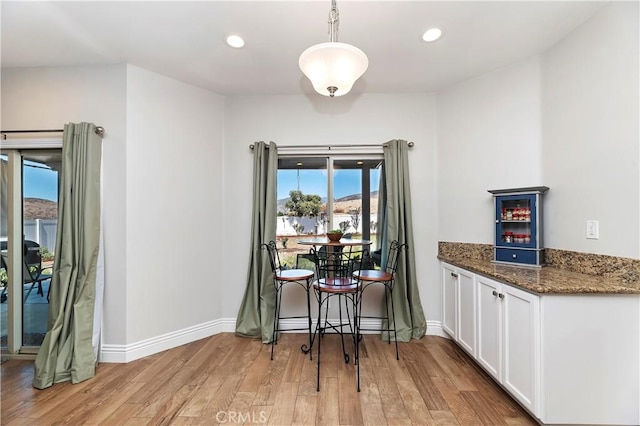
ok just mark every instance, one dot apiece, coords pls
pixel 333 67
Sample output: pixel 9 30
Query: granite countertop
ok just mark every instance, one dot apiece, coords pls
pixel 547 279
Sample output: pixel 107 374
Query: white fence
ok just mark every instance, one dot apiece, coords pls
pixel 42 231
pixel 286 225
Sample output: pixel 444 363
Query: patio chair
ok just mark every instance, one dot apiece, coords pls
pixel 32 268
pixel 32 272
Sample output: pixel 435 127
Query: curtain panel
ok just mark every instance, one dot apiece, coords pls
pixel 255 316
pixel 67 352
pixel 398 225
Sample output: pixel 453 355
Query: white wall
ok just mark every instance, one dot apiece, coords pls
pixel 591 143
pixel 301 120
pixel 47 98
pixel 488 138
pixel 174 186
pixel 567 119
pixel 162 178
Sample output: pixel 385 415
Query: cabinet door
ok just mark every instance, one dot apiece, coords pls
pixel 449 284
pixel 467 312
pixel 521 342
pixel 516 221
pixel 489 326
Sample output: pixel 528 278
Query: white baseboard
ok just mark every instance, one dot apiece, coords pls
pixel 434 328
pixel 143 348
pixel 133 351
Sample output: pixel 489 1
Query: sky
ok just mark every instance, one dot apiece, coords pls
pixel 39 183
pixel 345 182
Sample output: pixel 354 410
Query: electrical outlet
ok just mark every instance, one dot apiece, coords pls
pixel 592 230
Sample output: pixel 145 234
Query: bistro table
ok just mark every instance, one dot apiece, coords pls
pixel 336 250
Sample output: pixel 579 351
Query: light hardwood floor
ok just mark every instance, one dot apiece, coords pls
pixel 226 379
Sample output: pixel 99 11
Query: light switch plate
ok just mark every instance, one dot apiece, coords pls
pixel 592 230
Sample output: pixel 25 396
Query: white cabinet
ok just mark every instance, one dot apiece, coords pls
pixel 489 326
pixel 566 358
pixel 509 338
pixel 449 293
pixel 466 306
pixel 459 306
pixel 521 345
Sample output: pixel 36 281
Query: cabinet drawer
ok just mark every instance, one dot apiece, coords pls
pixel 528 257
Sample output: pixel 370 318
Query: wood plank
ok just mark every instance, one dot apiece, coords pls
pixel 414 405
pixel 457 405
pixel 223 397
pixel 392 402
pixel 122 414
pixel 452 371
pixel 444 417
pixel 284 404
pixel 305 411
pixel 370 400
pixel 328 400
pixel 486 412
pixel 430 393
pixel 349 409
pixel 272 378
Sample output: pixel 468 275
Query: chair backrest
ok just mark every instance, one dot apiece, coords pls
pixel 337 266
pixel 32 261
pixel 395 248
pixel 274 256
pixel 31 255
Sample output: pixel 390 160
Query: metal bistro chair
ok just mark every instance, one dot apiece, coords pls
pixel 334 270
pixel 282 276
pixel 384 276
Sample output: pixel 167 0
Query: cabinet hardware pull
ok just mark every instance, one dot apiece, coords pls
pixel 501 296
pixel 495 293
pixel 454 275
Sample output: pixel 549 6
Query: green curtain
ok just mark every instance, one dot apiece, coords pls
pixel 255 316
pixel 398 225
pixel 67 352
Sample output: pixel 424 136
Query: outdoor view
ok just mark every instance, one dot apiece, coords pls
pixel 39 226
pixel 305 210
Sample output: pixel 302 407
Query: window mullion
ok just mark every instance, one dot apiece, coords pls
pixel 330 192
pixel 14 252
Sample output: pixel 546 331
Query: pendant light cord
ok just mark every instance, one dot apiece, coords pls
pixel 334 22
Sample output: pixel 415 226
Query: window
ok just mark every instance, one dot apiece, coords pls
pixel 319 193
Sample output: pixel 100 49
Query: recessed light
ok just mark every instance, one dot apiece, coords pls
pixel 360 163
pixel 235 41
pixel 432 34
pixel 298 164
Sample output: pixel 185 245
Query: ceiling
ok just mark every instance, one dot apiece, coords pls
pixel 185 40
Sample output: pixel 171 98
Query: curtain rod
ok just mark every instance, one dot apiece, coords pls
pixel 99 131
pixel 329 147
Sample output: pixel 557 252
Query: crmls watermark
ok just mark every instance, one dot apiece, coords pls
pixel 240 417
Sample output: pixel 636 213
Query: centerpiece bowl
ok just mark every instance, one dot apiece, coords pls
pixel 334 235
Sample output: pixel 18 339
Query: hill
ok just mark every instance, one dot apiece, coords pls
pixel 340 205
pixel 38 208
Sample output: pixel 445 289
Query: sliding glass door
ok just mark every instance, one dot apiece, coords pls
pixel 27 238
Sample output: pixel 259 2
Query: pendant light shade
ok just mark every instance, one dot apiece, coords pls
pixel 333 67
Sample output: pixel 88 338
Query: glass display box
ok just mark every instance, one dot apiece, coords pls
pixel 518 226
